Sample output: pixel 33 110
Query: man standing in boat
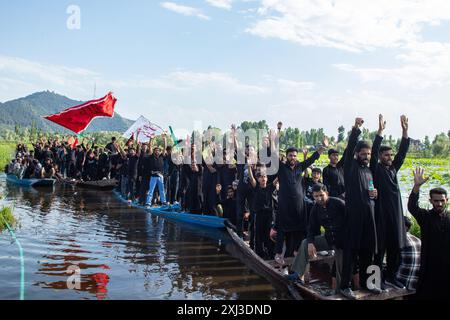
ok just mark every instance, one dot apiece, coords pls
pixel 360 195
pixel 157 170
pixel 292 216
pixel 434 276
pixel 333 174
pixel 389 212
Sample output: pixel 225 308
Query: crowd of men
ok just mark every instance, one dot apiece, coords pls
pixel 356 199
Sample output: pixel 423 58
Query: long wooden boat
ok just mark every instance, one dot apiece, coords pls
pixel 109 184
pixel 319 284
pixel 35 183
pixel 174 213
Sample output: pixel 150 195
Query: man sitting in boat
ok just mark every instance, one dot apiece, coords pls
pixel 48 170
pixel 408 271
pixel 329 213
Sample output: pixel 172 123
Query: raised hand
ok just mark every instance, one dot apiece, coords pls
pixel 326 142
pixel 404 123
pixel 381 124
pixel 419 177
pixel 305 153
pixel 359 122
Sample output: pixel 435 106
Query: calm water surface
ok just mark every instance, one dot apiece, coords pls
pixel 123 253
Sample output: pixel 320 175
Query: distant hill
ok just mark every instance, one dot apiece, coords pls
pixel 25 111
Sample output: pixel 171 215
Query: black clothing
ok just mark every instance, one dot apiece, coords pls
pixel 333 178
pixel 434 277
pixel 389 210
pixel 292 215
pixel 360 231
pixel 332 218
pixel 262 221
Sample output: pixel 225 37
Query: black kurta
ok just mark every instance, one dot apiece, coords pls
pixel 360 209
pixel 333 178
pixel 434 273
pixel 332 218
pixel 292 215
pixel 389 209
pixel 192 188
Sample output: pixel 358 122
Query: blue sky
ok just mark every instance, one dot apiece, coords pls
pixel 307 63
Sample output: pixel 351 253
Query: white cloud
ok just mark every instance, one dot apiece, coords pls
pixel 352 25
pixel 20 76
pixel 424 65
pixel 181 97
pixel 216 80
pixel 223 4
pixel 291 86
pixel 184 10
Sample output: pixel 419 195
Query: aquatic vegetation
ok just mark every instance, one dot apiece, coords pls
pixel 6 152
pixel 6 217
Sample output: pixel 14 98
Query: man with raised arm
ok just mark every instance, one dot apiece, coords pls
pixel 434 276
pixel 391 231
pixel 292 215
pixel 360 195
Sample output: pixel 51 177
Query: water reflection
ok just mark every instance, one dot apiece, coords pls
pixel 122 252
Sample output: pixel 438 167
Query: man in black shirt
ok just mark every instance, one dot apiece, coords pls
pixel 292 214
pixel 174 171
pixel 360 243
pixel 133 162
pixel 329 213
pixel 333 174
pixel 389 211
pixel 112 146
pixel 262 216
pixel 434 276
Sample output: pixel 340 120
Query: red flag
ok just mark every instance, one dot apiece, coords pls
pixel 79 117
pixel 73 142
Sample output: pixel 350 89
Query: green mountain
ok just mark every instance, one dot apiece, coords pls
pixel 24 111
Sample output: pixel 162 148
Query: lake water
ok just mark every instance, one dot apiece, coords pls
pixel 121 252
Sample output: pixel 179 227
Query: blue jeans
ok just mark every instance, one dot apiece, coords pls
pixel 153 182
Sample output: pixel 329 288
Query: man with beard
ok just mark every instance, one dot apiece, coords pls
pixel 388 208
pixel 329 213
pixel 292 215
pixel 361 236
pixel 434 276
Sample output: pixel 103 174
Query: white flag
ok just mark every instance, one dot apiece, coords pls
pixel 143 130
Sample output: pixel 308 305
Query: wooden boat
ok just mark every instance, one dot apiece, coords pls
pixel 35 183
pixel 96 185
pixel 318 286
pixel 174 213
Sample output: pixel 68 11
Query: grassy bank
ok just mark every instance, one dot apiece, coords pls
pixel 6 217
pixel 6 153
